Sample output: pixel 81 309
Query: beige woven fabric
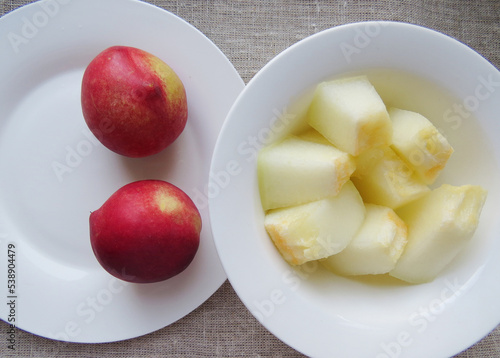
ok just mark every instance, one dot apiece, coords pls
pixel 251 33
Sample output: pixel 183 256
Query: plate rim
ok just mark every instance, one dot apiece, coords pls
pixel 235 85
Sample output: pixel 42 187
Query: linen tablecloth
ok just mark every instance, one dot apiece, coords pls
pixel 250 33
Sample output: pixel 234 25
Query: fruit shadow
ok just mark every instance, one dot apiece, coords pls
pixel 172 291
pixel 157 166
pixel 384 280
pixel 322 277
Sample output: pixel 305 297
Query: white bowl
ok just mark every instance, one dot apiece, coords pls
pixel 316 312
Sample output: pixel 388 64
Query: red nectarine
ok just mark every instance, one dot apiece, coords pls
pixel 133 102
pixel 147 231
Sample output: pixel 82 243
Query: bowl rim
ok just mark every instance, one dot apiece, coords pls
pixel 243 104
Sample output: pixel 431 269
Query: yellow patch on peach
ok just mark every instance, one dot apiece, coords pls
pixel 167 75
pixel 167 203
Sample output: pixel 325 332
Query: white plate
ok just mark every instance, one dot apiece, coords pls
pixel 316 312
pixel 53 172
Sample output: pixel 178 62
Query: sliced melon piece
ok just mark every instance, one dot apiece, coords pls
pixel 383 178
pixel 439 224
pixel 318 229
pixel 419 143
pixel 296 171
pixel 376 247
pixel 313 135
pixel 350 114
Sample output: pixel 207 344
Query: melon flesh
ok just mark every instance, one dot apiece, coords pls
pixel 383 178
pixel 419 143
pixel 376 247
pixel 297 171
pixel 318 229
pixel 350 114
pixel 440 224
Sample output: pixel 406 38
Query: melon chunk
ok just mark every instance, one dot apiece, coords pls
pixel 419 143
pixel 318 229
pixel 313 135
pixel 376 247
pixel 350 114
pixel 296 171
pixel 439 226
pixel 383 178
